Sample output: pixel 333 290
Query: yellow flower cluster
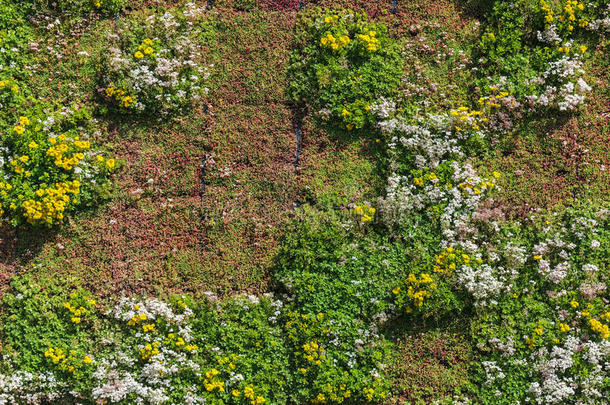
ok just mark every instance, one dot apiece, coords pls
pixel 228 362
pixel 470 187
pixel 178 342
pixel 149 350
pixel 60 150
pixel 121 97
pixel 567 16
pixel 66 361
pixel 369 40
pixel 365 212
pixel 464 117
pixel 429 177
pixel 250 395
pixel 212 381
pixel 7 85
pixel 77 310
pixel 50 209
pixel 333 43
pixel 600 328
pixel 19 128
pixel 449 259
pixel 145 48
pixel 312 353
pixel 335 394
pixel 137 318
pixel 418 289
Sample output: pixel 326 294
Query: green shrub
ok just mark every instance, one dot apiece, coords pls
pixel 343 63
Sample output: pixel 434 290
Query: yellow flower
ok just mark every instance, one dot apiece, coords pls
pixel 574 304
pixel 87 360
pixel 148 50
pixel 138 55
pixel 32 145
pixel 24 121
pixel 19 129
pixel 564 327
pixel 76 319
pixel 110 163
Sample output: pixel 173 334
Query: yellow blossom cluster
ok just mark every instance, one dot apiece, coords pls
pixel 67 152
pixel 313 353
pixel 145 49
pixel 369 41
pixel 50 208
pixel 149 350
pixel 227 362
pixel 418 289
pixel 470 186
pixel 450 258
pixel 335 43
pixel 420 178
pixel 212 381
pixel 66 361
pixel 336 394
pixel 567 19
pixel 365 212
pixel 123 99
pixel 600 328
pixel 173 340
pixel 8 86
pixel 77 309
pixel 137 318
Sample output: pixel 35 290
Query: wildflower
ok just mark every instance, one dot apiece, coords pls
pixel 110 165
pixel 19 129
pixel 138 55
pixel 87 360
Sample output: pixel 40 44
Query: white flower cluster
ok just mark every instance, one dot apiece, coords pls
pixel 563 85
pixel 151 308
pixel 21 387
pixel 167 80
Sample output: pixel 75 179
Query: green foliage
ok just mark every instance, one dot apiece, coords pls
pixel 343 63
pixel 329 265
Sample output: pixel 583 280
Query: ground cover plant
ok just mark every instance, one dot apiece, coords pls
pixel 290 202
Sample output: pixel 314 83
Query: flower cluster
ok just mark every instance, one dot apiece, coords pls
pixel 43 174
pixel 161 73
pixel 364 212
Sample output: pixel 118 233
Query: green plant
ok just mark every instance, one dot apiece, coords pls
pixel 343 63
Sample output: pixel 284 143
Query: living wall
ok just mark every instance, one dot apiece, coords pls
pixel 441 237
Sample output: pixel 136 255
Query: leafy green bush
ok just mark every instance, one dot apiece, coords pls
pixel 244 350
pixel 343 63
